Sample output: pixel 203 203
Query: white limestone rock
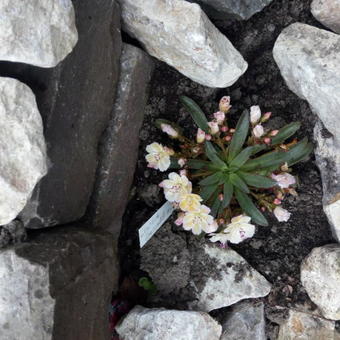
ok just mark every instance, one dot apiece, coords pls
pixel 320 275
pixel 22 147
pixel 37 32
pixel 328 13
pixel 309 60
pixel 161 324
pixel 180 34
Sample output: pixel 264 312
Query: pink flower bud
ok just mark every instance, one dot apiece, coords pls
pixel 213 127
pixel 255 114
pixel 181 162
pixel 224 128
pixel 220 117
pixel 274 133
pixel 227 138
pixel 266 116
pixel 183 172
pixel 267 140
pixel 221 221
pixel 179 220
pixel 168 129
pixel 220 197
pixel 225 104
pixel 258 131
pixel 277 201
pixel 200 136
pixel 263 209
pixel 207 137
pixel 232 130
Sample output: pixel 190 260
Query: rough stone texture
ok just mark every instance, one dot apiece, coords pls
pixel 76 100
pixel 309 59
pixel 328 160
pixel 180 34
pixel 37 32
pixel 57 286
pixel 328 13
pixel 238 9
pixel 320 275
pixel 11 233
pixel 302 326
pixel 22 147
pixel 119 145
pixel 155 324
pixel 245 321
pixel 205 271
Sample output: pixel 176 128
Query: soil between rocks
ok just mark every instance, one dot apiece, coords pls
pixel 275 251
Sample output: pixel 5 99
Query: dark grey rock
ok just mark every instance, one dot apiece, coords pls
pixel 13 232
pixel 119 145
pixel 151 194
pixel 57 286
pixel 75 100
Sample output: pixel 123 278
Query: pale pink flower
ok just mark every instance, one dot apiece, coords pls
pixel 158 156
pixel 200 137
pixel 213 127
pixel 224 128
pixel 284 179
pixel 277 201
pixel 255 114
pixel 258 131
pixel 168 129
pixel 181 162
pixel 220 117
pixel 176 187
pixel 281 214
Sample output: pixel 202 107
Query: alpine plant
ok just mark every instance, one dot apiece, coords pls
pixel 227 177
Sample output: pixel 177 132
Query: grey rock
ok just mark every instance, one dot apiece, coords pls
pixel 76 100
pixel 237 9
pixel 119 144
pixel 320 276
pixel 328 13
pixel 40 33
pixel 180 34
pixel 22 147
pixel 161 324
pixel 309 59
pixel 57 286
pixel 151 194
pixel 328 160
pixel 245 321
pixel 11 233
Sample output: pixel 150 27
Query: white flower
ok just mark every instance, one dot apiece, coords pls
pixel 190 202
pixel 220 117
pixel 284 180
pixel 198 221
pixel 219 237
pixel 167 128
pixel 255 114
pixel 213 127
pixel 239 229
pixel 175 187
pixel 258 131
pixel 281 214
pixel 181 162
pixel 158 156
pixel 200 138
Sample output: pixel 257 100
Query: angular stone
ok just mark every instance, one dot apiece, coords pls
pixel 328 160
pixel 40 33
pixel 76 100
pixel 162 324
pixel 180 34
pixel 238 9
pixel 57 286
pixel 320 275
pixel 245 321
pixel 119 144
pixel 328 13
pixel 309 60
pixel 302 326
pixel 22 147
pixel 196 274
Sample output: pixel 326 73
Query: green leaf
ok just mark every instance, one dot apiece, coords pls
pixel 196 113
pixel 228 190
pixel 270 159
pixel 249 208
pixel 240 135
pixel 212 155
pixel 239 183
pixel 197 164
pixel 216 203
pixel 257 181
pixel 286 132
pixel 298 152
pixel 174 163
pixel 243 156
pixel 212 179
pixel 207 191
pixel 309 148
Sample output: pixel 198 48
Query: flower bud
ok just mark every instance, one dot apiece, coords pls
pixel 207 137
pixel 232 130
pixel 168 129
pixel 224 105
pixel 267 140
pixel 227 138
pixel 195 149
pixel 266 116
pixel 220 197
pixel 181 162
pixel 183 172
pixel 179 220
pixel 258 131
pixel 255 114
pixel 224 128
pixel 274 133
pixel 277 201
pixel 213 127
pixel 200 136
pixel 220 117
pixel 284 167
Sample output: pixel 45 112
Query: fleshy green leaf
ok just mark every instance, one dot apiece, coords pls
pixel 197 164
pixel 212 179
pixel 216 203
pixel 244 155
pixel 298 152
pixel 196 113
pixel 257 181
pixel 286 132
pixel 238 183
pixel 269 159
pixel 228 190
pixel 240 135
pixel 207 191
pixel 212 155
pixel 249 208
pixel 309 148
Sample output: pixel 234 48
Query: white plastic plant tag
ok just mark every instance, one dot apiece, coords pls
pixel 150 227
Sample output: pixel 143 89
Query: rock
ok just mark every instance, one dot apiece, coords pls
pixel 180 34
pixel 13 232
pixel 75 100
pixel 57 286
pixel 328 13
pixel 235 9
pixel 161 324
pixel 151 194
pixel 195 274
pixel 320 275
pixel 302 326
pixel 40 33
pixel 245 321
pixel 309 59
pixel 119 144
pixel 328 160
pixel 22 147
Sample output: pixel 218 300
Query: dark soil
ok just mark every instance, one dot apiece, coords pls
pixel 275 251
